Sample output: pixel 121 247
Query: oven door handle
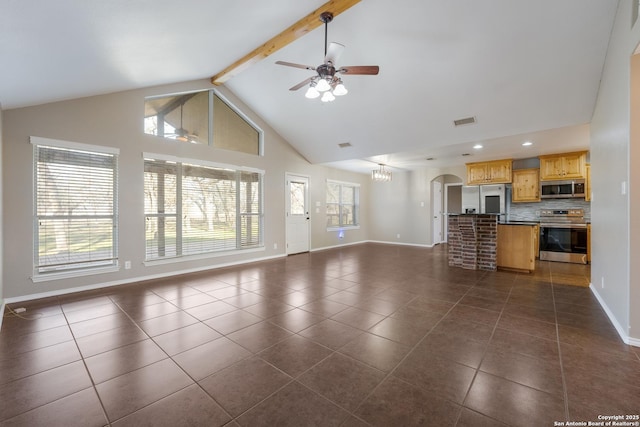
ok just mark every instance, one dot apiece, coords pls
pixel 575 226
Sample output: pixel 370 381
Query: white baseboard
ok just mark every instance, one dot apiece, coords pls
pixel 324 248
pixel 130 280
pixel 626 338
pixel 419 245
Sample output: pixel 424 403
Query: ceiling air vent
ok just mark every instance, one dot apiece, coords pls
pixel 344 145
pixel 465 121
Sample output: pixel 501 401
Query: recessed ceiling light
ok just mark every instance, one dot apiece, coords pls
pixel 477 146
pixel 527 143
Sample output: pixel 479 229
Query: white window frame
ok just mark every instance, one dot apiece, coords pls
pixel 356 201
pixel 79 272
pixel 210 254
pixel 211 112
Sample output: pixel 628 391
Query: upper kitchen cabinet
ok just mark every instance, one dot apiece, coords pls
pixel 563 166
pixel 495 172
pixel 526 185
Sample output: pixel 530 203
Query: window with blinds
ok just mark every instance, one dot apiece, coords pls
pixel 75 223
pixel 342 204
pixel 193 209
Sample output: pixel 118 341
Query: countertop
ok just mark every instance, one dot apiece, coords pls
pixel 519 223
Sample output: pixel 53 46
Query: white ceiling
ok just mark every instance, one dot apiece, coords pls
pixel 522 68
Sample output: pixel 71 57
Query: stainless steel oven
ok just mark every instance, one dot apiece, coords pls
pixel 563 236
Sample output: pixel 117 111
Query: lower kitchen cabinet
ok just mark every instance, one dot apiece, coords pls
pixel 517 246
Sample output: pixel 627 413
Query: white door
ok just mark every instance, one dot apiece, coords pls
pixel 297 199
pixel 437 212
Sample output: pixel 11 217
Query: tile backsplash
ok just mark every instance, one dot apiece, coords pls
pixel 531 211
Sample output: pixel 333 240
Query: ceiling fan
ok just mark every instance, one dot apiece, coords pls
pixel 181 134
pixel 327 79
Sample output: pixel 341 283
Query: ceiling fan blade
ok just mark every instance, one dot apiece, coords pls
pixel 302 83
pixel 294 32
pixel 359 69
pixel 333 52
pixel 291 64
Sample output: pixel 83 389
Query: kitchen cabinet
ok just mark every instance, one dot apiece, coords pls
pixel 563 166
pixel 516 246
pixel 587 184
pixel 495 172
pixel 526 185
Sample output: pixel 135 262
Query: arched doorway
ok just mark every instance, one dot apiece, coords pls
pixel 446 198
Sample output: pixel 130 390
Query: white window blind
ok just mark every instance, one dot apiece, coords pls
pixel 75 224
pixel 342 204
pixel 193 209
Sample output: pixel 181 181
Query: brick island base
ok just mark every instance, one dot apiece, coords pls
pixel 472 241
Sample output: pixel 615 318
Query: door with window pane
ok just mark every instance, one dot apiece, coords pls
pixel 297 199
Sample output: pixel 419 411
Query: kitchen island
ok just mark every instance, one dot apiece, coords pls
pixel 517 245
pixel 472 240
pixel 480 242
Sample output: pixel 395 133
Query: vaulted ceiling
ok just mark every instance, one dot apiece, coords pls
pixel 524 69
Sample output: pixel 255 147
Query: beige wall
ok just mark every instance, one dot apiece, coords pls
pixel 116 120
pixel 396 206
pixel 615 231
pixel 1 221
pixel 634 202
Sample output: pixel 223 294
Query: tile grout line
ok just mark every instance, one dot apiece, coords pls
pixel 565 392
pixel 84 363
pixel 232 418
pixel 484 354
pixel 176 363
pixel 333 352
pixel 390 373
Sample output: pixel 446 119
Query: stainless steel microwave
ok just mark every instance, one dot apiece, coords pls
pixel 565 189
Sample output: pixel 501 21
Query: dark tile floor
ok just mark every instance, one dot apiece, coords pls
pixel 364 335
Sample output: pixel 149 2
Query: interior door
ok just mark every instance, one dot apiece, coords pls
pixel 437 212
pixel 297 211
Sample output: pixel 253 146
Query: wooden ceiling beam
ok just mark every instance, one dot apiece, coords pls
pixel 294 32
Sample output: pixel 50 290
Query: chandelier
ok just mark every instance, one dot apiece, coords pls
pixel 381 174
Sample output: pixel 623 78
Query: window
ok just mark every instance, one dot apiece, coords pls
pixel 193 209
pixel 75 222
pixel 201 118
pixel 297 197
pixel 342 204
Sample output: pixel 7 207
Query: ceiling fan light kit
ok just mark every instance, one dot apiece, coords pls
pixel 327 82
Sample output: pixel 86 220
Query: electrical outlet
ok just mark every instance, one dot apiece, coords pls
pixel 397 236
pixel 275 246
pixel 602 282
pixel 127 265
